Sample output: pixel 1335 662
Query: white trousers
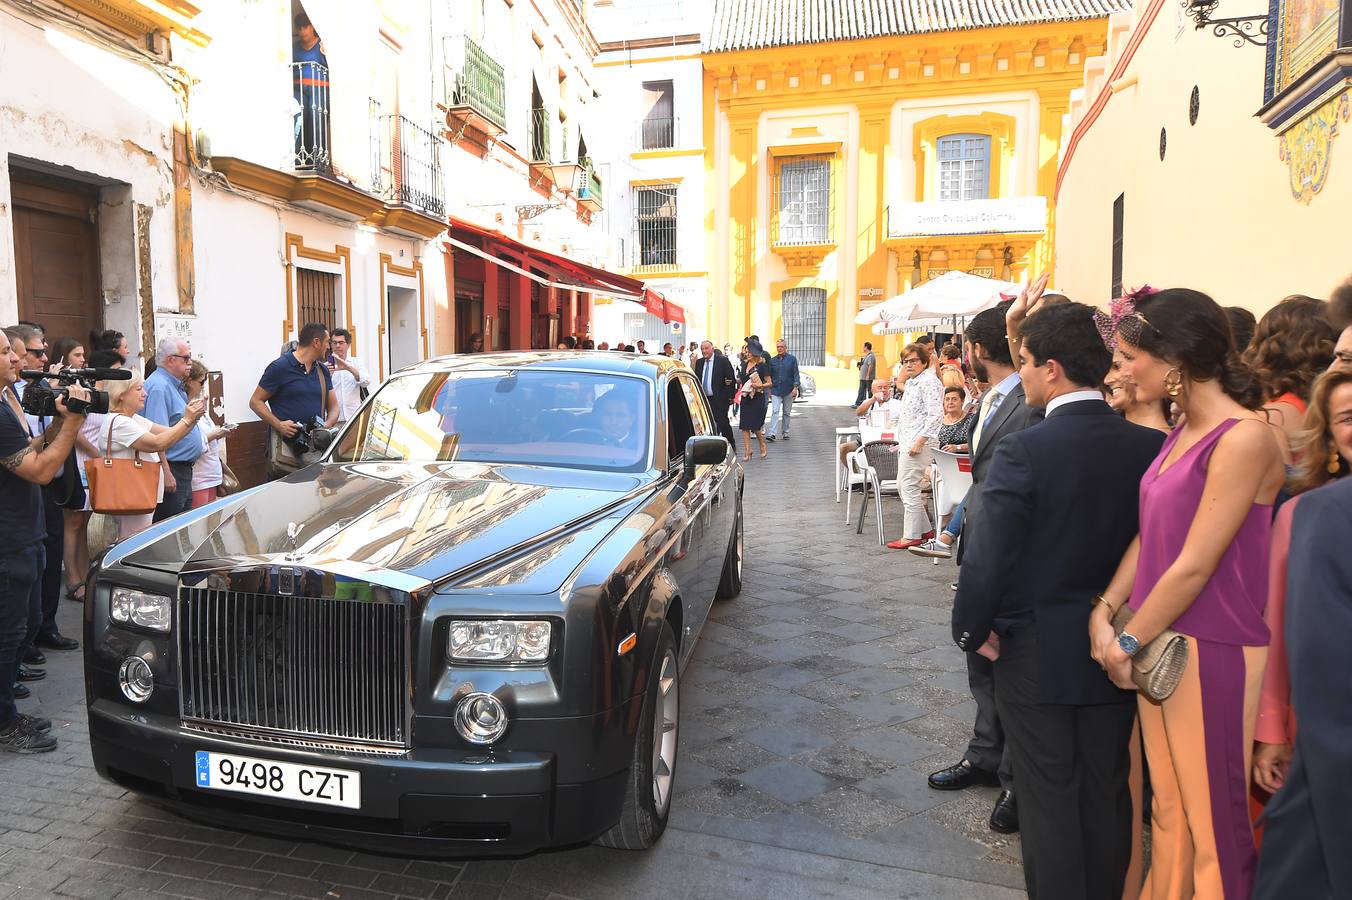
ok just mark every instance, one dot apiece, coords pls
pixel 780 409
pixel 912 471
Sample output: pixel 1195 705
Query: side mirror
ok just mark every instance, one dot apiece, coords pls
pixel 702 450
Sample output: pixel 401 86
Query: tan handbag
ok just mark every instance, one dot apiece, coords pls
pixel 1158 666
pixel 229 482
pixel 122 487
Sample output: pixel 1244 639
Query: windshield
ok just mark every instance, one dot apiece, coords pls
pixel 536 417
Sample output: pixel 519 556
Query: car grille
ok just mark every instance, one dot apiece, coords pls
pixel 303 666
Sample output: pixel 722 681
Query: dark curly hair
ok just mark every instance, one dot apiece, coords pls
pixel 1292 344
pixel 1190 330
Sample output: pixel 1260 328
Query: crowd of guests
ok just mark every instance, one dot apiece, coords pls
pixel 1166 473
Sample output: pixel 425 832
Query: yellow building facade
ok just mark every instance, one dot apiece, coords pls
pixel 841 172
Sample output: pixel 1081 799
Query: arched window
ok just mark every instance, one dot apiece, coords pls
pixel 964 167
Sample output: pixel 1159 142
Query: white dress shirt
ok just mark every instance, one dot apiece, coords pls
pixel 1073 397
pixel 347 388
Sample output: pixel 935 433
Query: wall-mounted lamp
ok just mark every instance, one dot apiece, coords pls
pixel 1244 29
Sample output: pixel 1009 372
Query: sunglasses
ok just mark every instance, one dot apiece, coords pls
pixel 36 351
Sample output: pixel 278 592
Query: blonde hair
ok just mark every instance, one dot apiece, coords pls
pixel 118 389
pixel 951 376
pixel 1311 444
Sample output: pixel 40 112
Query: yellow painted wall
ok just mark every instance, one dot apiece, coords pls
pixel 1217 214
pixel 877 105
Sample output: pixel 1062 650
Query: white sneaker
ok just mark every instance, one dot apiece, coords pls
pixel 933 549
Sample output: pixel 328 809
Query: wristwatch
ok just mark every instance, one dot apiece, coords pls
pixel 1128 643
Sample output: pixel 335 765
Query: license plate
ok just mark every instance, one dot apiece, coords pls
pixel 270 778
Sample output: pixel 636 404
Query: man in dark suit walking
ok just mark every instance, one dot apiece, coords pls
pixel 719 381
pixel 1059 509
pixel 1307 829
pixel 1003 411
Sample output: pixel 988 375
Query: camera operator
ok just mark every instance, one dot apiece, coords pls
pixel 25 463
pixel 295 398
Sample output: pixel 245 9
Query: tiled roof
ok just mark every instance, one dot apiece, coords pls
pixel 751 24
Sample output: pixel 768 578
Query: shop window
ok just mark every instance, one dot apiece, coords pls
pixel 964 167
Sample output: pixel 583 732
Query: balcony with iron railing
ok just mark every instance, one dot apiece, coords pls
pixel 656 134
pixel 541 150
pixel 406 164
pixel 589 191
pixel 310 118
pixel 475 85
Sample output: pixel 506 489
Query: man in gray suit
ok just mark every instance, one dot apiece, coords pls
pixel 1307 829
pixel 1003 411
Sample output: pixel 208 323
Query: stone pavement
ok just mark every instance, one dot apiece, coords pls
pixel 816 704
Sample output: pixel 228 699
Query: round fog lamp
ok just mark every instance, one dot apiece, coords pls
pixel 480 718
pixel 135 679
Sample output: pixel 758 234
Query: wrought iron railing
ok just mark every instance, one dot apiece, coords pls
pixel 803 208
pixel 654 236
pixel 310 90
pixel 541 150
pixel 590 189
pixel 656 134
pixel 407 169
pixel 475 80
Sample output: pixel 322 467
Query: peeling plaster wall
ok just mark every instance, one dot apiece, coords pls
pixel 103 119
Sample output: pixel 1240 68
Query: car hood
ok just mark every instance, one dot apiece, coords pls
pixel 428 522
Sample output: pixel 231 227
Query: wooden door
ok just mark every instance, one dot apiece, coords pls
pixel 56 248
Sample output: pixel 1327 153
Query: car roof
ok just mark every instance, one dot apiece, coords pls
pixel 649 366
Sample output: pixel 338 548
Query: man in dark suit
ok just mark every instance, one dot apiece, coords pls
pixel 1059 509
pixel 719 381
pixel 1307 829
pixel 1003 411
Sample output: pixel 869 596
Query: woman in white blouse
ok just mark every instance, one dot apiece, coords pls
pixel 922 412
pixel 125 432
pixel 207 472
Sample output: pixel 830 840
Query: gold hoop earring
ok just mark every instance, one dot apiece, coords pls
pixel 1335 461
pixel 1173 382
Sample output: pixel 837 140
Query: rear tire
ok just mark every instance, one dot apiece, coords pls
pixel 730 584
pixel 652 773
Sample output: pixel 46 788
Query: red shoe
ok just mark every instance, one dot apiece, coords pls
pixel 906 544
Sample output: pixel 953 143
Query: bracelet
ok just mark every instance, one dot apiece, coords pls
pixel 1099 598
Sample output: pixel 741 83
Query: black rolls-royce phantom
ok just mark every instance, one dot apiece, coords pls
pixel 462 632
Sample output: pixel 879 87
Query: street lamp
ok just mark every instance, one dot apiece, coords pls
pixel 565 175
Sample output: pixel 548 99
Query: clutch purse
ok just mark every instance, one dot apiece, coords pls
pixel 1158 666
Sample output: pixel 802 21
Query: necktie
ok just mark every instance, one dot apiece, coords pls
pixel 709 376
pixel 989 404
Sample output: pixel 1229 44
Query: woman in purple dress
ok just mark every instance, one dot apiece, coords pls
pixel 1199 566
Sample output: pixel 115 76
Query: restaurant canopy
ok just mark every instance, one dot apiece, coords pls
pixel 953 295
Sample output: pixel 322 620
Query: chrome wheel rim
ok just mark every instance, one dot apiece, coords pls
pixel 665 727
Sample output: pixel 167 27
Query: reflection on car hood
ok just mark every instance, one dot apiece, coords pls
pixel 427 521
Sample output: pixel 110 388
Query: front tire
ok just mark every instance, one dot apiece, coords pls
pixel 652 773
pixel 730 584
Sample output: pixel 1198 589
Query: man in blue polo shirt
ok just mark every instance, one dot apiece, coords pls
pixel 785 384
pixel 166 399
pixel 295 389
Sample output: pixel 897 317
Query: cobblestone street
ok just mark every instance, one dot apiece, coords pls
pixel 815 706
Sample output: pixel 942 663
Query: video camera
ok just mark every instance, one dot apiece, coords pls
pixel 312 435
pixel 39 398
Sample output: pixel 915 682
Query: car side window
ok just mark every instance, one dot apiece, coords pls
pixel 679 426
pixel 699 413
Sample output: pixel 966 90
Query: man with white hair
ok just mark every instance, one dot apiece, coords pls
pixel 166 399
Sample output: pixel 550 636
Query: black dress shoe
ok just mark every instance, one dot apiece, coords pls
pixel 964 774
pixel 21 692
pixel 34 657
pixel 1005 816
pixel 28 673
pixel 57 641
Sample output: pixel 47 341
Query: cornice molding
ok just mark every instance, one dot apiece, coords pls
pixel 137 18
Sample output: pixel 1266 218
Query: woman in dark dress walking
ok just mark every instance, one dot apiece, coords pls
pixel 754 397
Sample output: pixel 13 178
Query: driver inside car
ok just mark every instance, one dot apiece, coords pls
pixel 615 418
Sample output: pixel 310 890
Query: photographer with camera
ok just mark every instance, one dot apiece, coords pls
pixel 166 400
pixel 25 463
pixel 295 398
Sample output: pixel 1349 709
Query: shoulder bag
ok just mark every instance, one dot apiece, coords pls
pixel 122 487
pixel 1158 666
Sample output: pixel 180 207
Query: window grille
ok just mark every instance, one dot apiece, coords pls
pixel 964 167
pixel 318 298
pixel 657 130
pixel 655 227
pixel 803 200
pixel 804 316
pixel 1119 216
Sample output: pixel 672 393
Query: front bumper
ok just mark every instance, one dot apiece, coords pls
pixel 438 802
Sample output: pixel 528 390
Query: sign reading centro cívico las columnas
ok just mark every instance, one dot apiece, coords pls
pixel 1008 215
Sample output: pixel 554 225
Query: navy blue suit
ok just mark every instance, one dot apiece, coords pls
pixel 1307 830
pixel 1059 508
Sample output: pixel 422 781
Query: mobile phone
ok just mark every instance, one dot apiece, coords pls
pixel 230 426
pixel 332 363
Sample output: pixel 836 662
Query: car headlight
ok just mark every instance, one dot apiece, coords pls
pixel 500 640
pixel 129 607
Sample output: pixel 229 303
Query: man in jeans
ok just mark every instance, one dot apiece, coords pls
pixel 868 370
pixel 25 463
pixel 783 390
pixel 166 399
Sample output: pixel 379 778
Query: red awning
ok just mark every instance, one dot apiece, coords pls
pixel 565 272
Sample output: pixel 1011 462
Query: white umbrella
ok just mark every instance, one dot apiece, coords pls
pixel 952 294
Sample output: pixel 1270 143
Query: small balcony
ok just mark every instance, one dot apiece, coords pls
pixel 589 191
pixel 541 149
pixel 475 87
pixel 656 134
pixel 310 114
pixel 406 164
